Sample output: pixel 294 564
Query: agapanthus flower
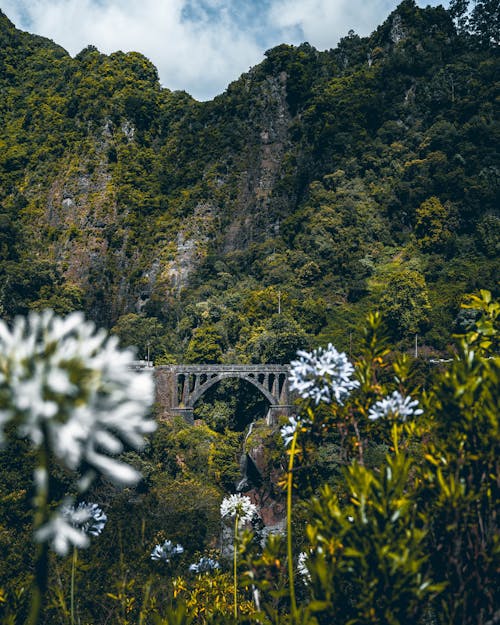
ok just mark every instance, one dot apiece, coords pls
pixel 63 382
pixel 165 552
pixel 88 517
pixel 289 429
pixel 71 526
pixel 395 406
pixel 204 565
pixel 302 567
pixel 61 534
pixel 322 375
pixel 238 505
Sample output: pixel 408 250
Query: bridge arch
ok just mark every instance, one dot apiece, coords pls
pixel 195 396
pixel 179 387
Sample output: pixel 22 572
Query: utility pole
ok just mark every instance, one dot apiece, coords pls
pixel 416 345
pixel 279 302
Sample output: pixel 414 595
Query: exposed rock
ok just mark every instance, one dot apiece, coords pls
pixel 398 32
pixel 262 477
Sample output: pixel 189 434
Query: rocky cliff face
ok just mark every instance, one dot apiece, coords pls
pixel 260 204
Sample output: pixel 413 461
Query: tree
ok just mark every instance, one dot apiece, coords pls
pixel 431 225
pixel 277 341
pixel 146 334
pixel 205 345
pixel 458 11
pixel 405 302
pixel 67 298
pixel 483 21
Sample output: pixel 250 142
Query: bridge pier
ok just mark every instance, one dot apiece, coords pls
pixel 186 413
pixel 276 411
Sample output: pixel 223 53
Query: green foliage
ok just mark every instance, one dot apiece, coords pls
pixel 322 185
pixel 431 226
pixel 489 234
pixel 405 302
pixel 205 345
pixel 481 21
pixel 367 560
pixel 462 485
pixel 425 517
pixel 277 341
pixel 117 195
pixel 145 334
pixel 397 517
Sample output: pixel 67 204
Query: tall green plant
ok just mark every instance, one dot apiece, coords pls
pixel 367 561
pixel 462 475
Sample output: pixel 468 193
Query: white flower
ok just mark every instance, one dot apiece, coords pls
pixel 395 406
pixel 204 565
pixel 302 567
pixel 61 534
pixel 322 375
pixel 288 430
pixel 238 505
pixel 166 552
pixel 87 517
pixel 63 381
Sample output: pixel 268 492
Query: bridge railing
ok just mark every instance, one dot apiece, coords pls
pixel 272 368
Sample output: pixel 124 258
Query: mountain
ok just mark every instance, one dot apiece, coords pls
pixel 318 186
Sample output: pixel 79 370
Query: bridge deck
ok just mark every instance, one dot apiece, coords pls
pixel 223 368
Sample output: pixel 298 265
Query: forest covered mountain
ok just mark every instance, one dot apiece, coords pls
pixel 318 186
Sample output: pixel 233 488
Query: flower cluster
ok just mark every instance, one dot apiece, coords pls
pixel 322 375
pixel 65 383
pixel 165 552
pixel 71 527
pixel 87 517
pixel 302 569
pixel 289 429
pixel 204 565
pixel 61 534
pixel 238 505
pixel 395 406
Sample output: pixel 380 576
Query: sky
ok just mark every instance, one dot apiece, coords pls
pixel 199 46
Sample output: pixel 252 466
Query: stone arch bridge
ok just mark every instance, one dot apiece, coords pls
pixel 178 387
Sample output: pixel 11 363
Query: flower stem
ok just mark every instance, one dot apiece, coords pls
pixel 235 571
pixel 144 608
pixel 72 598
pixel 40 517
pixel 395 438
pixel 293 603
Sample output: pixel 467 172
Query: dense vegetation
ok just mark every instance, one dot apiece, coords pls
pixel 319 185
pixel 392 506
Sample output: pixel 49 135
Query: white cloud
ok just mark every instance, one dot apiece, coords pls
pixel 197 45
pixel 324 22
pixel 198 56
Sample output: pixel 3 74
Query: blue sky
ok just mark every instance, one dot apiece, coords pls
pixel 198 45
